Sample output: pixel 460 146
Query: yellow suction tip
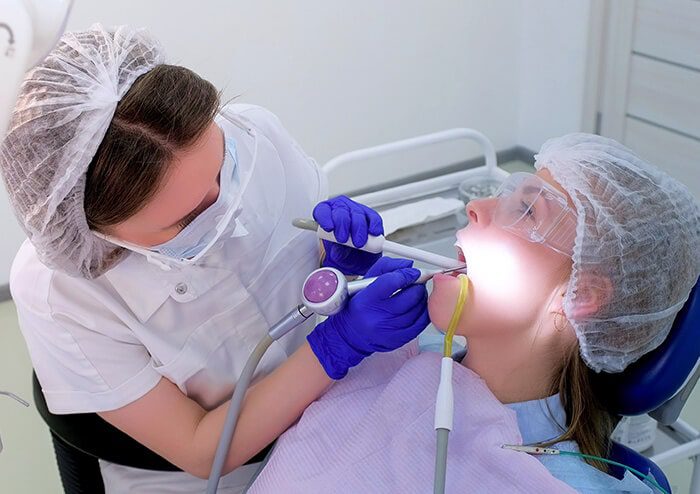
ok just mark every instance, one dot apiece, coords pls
pixel 463 292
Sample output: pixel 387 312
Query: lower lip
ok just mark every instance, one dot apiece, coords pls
pixel 442 278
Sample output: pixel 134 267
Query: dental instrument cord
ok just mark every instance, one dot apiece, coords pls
pixel 647 477
pixel 289 321
pixel 232 415
pixel 536 450
pixel 444 403
pixel 441 461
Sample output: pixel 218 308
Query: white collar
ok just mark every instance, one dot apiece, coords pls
pixel 144 287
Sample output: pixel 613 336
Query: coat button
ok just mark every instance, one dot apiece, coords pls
pixel 181 288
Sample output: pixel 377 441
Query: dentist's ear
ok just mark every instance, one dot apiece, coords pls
pixel 594 291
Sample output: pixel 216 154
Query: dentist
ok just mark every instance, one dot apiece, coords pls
pixel 160 249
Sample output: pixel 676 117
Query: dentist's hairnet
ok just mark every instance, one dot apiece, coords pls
pixel 638 231
pixel 65 106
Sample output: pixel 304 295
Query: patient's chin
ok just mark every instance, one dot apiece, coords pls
pixel 439 312
pixel 442 300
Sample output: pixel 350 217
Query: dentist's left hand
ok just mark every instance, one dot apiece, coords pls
pixel 377 319
pixel 348 219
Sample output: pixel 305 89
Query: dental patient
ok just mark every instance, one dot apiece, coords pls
pixel 577 270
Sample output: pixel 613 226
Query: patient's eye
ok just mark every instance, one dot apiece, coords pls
pixel 527 210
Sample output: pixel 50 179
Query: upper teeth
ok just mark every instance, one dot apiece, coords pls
pixel 460 254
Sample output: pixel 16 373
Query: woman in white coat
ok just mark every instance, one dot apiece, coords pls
pixel 160 249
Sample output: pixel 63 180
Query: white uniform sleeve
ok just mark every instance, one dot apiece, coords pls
pixel 287 147
pixel 305 170
pixel 85 358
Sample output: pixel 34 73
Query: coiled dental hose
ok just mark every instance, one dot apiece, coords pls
pixel 444 403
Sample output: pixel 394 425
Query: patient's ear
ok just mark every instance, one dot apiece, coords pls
pixel 593 293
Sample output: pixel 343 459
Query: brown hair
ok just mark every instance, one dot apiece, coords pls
pixel 165 110
pixel 589 423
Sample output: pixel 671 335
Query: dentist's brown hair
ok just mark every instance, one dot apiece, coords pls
pixel 166 110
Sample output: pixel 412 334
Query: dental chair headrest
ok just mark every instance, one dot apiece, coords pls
pixel 659 382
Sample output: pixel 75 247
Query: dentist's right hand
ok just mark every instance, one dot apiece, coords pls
pixel 377 319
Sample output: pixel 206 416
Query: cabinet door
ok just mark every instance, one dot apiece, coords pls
pixel 651 83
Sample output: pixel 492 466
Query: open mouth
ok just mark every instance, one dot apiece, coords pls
pixel 461 258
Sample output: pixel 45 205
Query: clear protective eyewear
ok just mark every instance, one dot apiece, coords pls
pixel 534 210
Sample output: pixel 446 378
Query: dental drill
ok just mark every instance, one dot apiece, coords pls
pixel 324 292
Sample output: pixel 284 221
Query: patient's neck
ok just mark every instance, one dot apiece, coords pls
pixel 515 370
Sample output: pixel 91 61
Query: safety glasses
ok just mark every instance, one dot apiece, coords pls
pixel 534 210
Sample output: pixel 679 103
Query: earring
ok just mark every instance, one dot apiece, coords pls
pixel 560 327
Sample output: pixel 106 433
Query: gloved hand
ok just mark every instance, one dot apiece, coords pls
pixel 348 219
pixel 374 319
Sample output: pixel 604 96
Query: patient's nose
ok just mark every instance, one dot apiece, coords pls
pixel 479 211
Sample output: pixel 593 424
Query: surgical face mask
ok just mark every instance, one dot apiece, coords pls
pixel 197 238
pixel 534 210
pixel 193 241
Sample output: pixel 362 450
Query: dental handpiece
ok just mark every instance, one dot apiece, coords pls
pixel 379 244
pixel 325 290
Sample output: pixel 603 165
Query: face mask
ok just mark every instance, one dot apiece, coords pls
pixel 197 238
pixel 193 241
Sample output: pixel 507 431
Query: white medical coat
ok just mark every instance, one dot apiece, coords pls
pixel 100 344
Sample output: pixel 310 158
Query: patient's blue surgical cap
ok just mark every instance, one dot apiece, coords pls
pixel 65 106
pixel 637 247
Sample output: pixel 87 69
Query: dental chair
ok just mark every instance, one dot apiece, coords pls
pixel 659 384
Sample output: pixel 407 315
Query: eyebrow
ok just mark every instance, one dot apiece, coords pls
pixel 197 209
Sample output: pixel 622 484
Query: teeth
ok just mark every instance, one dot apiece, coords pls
pixel 460 254
pixel 460 257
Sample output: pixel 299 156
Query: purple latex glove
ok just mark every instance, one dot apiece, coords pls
pixel 348 219
pixel 376 319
